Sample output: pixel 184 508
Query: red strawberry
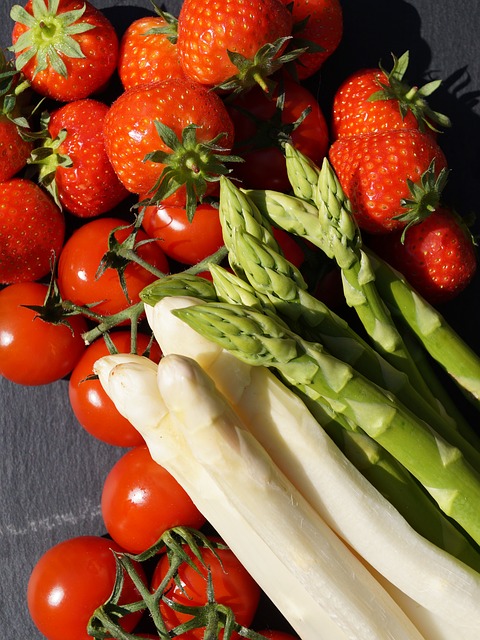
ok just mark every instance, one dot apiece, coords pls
pixel 169 140
pixel 317 24
pixel 373 100
pixel 376 172
pixel 14 149
pixel 74 165
pixel 148 51
pixel 232 40
pixel 67 48
pixel 436 256
pixel 263 123
pixel 32 231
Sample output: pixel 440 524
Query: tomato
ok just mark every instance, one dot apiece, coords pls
pixel 291 249
pixel 232 584
pixel 70 581
pixel 257 131
pixel 80 260
pixel 141 500
pixel 91 405
pixel 33 351
pixel 184 241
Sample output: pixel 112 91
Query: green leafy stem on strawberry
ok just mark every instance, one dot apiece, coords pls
pixel 190 164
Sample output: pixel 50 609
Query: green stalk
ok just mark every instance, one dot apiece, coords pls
pixel 181 284
pixel 394 482
pixel 259 339
pixel 232 289
pixel 277 280
pixel 268 273
pixel 437 336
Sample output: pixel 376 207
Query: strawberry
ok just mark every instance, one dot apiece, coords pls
pixel 14 148
pixel 32 231
pixel 168 140
pixel 232 44
pixel 148 51
pixel 373 100
pixel 378 171
pixel 73 164
pixel 437 256
pixel 317 24
pixel 67 49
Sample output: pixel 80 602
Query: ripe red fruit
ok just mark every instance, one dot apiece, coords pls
pixel 81 279
pixel 318 24
pixel 14 149
pixel 374 170
pixel 148 51
pixel 32 231
pixel 37 346
pixel 141 500
pixel 74 165
pixel 208 35
pixel 44 32
pixel 374 100
pixel 436 256
pixel 263 123
pixel 175 133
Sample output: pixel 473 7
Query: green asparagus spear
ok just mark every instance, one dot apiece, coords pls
pixel 182 284
pixel 434 332
pixel 259 339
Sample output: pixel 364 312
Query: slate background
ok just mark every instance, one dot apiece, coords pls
pixel 51 471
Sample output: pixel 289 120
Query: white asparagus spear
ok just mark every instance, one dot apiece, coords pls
pixel 279 538
pixel 276 514
pixel 446 590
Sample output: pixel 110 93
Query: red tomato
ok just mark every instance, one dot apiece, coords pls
pixel 70 581
pixel 33 351
pixel 80 260
pixel 91 405
pixel 184 241
pixel 232 584
pixel 291 249
pixel 257 133
pixel 141 500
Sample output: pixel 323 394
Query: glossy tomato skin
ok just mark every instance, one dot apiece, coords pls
pixel 70 581
pixel 184 241
pixel 33 351
pixel 91 405
pixel 233 586
pixel 255 134
pixel 81 258
pixel 141 500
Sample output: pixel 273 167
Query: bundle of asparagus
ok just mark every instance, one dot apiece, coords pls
pixel 346 423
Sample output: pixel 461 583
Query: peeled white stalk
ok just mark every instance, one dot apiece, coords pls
pixel 270 512
pixel 446 591
pixel 302 566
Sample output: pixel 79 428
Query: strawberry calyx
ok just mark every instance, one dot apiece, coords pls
pixel 258 70
pixel 47 158
pixel 169 29
pixel 191 163
pixel 410 99
pixel 12 86
pixel 425 197
pixel 271 132
pixel 49 35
